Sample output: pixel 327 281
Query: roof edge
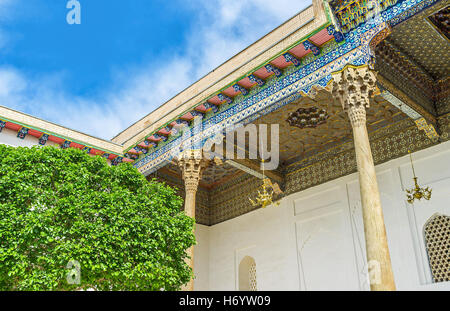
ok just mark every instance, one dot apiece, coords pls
pixel 51 128
pixel 306 21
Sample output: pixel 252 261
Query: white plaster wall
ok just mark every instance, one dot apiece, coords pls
pixel 315 239
pixel 201 258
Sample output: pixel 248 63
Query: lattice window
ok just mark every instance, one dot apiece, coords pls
pixel 437 239
pixel 252 277
pixel 247 274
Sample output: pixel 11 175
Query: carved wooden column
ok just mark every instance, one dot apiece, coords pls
pixel 353 87
pixel 191 163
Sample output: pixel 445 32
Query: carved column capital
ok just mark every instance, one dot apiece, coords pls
pixel 191 163
pixel 353 87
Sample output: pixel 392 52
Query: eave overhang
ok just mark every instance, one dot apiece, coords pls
pixel 45 131
pixel 264 58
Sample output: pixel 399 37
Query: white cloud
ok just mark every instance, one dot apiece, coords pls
pixel 222 29
pixel 11 83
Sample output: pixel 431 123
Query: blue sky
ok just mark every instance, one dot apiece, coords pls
pixel 125 58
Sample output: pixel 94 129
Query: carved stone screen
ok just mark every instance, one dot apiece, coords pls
pixel 437 239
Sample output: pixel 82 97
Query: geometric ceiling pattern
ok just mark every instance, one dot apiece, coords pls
pixel 299 143
pixel 296 144
pixel 418 38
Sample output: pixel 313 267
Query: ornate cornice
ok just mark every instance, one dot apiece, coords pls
pixel 355 49
pixel 351 13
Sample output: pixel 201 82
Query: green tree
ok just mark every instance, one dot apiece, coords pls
pixel 59 206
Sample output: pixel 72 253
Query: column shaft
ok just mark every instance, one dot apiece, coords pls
pixel 377 250
pixel 189 209
pixel 353 87
pixel 191 164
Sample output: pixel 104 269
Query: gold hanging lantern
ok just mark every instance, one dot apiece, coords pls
pixel 417 192
pixel 264 197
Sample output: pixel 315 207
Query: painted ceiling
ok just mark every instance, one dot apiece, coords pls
pixel 421 41
pixel 297 144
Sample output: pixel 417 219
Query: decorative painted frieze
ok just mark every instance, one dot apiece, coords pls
pixel 291 58
pixel 66 144
pixel 87 149
pixel 160 136
pixel 308 45
pixel 150 143
pixel 116 161
pixel 255 79
pixel 338 36
pixel 223 97
pixel 270 68
pixel 141 149
pixel 210 107
pixel 23 132
pixel 182 122
pixel 238 88
pixel 2 125
pixel 196 113
pixel 352 13
pixel 43 139
pixel 131 156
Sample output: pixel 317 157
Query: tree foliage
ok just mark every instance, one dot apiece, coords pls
pixel 58 206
